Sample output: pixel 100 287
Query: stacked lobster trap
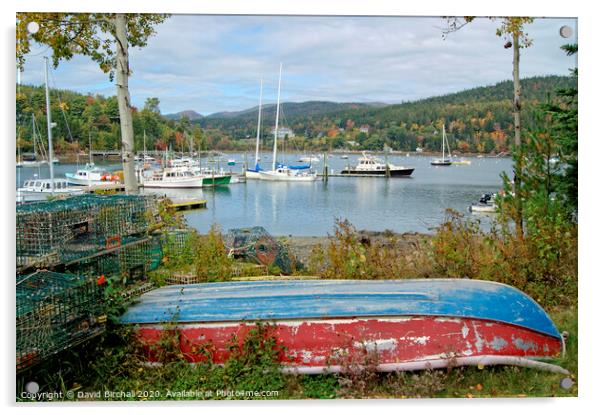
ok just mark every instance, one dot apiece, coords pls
pixel 61 231
pixel 66 251
pixel 55 312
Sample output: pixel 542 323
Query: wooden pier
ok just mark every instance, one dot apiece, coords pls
pixel 104 188
pixel 180 205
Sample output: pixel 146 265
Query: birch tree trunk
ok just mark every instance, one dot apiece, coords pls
pixel 518 166
pixel 125 111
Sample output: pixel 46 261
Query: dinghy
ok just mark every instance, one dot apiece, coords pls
pixel 406 324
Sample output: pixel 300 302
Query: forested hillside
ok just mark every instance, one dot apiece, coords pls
pixel 477 120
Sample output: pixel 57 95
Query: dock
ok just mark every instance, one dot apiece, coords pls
pixel 189 204
pixel 104 188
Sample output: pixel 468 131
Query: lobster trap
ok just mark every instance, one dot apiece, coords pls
pixel 55 312
pixel 58 231
pixel 131 260
pixel 257 245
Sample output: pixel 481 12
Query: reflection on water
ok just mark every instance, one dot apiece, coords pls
pixel 410 204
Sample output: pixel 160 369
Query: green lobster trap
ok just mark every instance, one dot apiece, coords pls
pixel 58 231
pixel 55 312
pixel 257 245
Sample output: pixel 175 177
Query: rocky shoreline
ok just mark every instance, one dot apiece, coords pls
pixel 302 246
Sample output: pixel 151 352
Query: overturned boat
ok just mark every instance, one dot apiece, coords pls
pixel 405 324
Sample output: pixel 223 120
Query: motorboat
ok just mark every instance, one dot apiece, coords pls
pixel 92 175
pixel 486 204
pixel 369 165
pixel 41 189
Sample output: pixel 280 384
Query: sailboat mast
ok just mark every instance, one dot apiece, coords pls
pixel 443 142
pixel 258 124
pixel 33 131
pixel 277 115
pixel 49 123
pixel 90 147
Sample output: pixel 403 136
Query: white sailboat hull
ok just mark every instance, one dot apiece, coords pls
pixel 286 176
pixel 254 175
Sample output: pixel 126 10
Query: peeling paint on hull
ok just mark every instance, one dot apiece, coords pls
pixel 316 343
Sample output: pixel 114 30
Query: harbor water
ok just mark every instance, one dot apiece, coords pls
pixel 414 204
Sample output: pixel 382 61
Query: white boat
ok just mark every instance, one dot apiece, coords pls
pixel 285 174
pixel 178 177
pixel 41 189
pixel 172 178
pixel 344 156
pixel 92 176
pixel 309 159
pixel 254 172
pixel 443 161
pixel 369 165
pixel 280 172
pixel 486 204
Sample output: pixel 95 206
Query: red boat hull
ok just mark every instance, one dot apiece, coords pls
pixel 395 342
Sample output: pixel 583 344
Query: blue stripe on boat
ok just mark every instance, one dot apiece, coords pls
pixel 304 299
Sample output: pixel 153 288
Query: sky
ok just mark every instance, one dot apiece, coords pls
pixel 211 63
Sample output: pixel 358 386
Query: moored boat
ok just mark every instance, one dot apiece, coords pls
pixel 443 161
pixel 92 176
pixel 408 324
pixel 369 165
pixel 41 189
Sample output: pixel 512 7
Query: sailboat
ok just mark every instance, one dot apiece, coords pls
pixel 92 175
pixel 32 160
pixel 41 189
pixel 282 172
pixel 443 161
pixel 254 172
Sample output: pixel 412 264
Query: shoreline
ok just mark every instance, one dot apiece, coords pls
pixel 302 246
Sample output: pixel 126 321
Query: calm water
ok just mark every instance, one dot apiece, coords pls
pixel 410 204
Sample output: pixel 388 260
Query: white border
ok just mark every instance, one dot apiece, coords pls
pixel 590 143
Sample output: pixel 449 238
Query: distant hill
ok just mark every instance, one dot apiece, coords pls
pixel 292 109
pixel 191 114
pixel 478 119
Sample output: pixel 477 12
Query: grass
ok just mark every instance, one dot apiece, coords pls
pixel 114 363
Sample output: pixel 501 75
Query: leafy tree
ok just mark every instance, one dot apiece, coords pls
pixel 510 28
pixel 103 37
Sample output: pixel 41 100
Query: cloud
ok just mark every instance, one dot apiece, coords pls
pixel 214 63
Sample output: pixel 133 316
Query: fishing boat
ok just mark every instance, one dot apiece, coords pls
pixel 178 177
pixel 41 189
pixel 253 173
pixel 406 324
pixel 92 175
pixel 281 172
pixel 443 161
pixel 369 165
